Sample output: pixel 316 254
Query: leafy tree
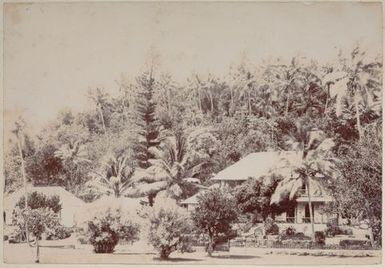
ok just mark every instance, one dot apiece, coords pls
pixel 358 190
pixel 253 196
pixel 169 228
pixel 41 216
pixel 38 222
pixel 38 200
pixel 214 215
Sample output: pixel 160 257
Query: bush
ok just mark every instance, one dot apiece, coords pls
pixel 39 200
pixel 105 226
pixel 169 228
pixel 290 234
pixel 290 231
pixel 59 232
pixel 332 229
pixel 355 244
pixel 271 228
pixel 320 238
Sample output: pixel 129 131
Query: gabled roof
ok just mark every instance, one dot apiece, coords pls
pixel 191 200
pixel 66 198
pixel 260 164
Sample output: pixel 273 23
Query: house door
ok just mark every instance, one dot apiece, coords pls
pixel 290 215
pixel 307 213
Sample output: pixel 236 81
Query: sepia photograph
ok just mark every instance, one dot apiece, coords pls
pixel 192 133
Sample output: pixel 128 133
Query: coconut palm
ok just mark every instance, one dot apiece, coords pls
pixel 316 163
pixel 172 171
pixel 357 85
pixel 100 98
pixel 115 176
pixel 18 131
pixel 285 80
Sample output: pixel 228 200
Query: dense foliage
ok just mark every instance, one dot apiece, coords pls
pixel 156 135
pixel 169 228
pixel 214 215
pixel 39 200
pixel 105 226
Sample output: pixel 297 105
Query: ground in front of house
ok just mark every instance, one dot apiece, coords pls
pixel 140 254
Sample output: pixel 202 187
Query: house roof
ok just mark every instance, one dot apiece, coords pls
pixel 261 164
pixel 191 200
pixel 66 198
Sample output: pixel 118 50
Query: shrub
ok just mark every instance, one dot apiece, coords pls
pixel 40 200
pixel 271 228
pixel 105 226
pixel 169 228
pixel 355 244
pixel 332 229
pixel 59 232
pixel 320 238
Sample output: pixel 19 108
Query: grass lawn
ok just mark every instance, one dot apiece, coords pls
pixel 140 254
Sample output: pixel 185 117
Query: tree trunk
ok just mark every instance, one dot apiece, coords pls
pixel 211 102
pixel 25 186
pixel 199 101
pixel 210 248
pixel 287 102
pixel 37 260
pixel 358 116
pixel 231 100
pixel 371 237
pixel 327 98
pixel 102 118
pixel 310 212
pixel 249 102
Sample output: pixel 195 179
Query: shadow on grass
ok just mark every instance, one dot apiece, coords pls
pixel 239 257
pixel 175 259
pixel 355 256
pixel 133 253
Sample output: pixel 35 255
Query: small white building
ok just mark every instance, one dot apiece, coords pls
pixel 70 203
pixel 190 203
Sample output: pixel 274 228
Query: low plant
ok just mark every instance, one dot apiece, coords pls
pixel 355 244
pixel 320 238
pixel 169 228
pixel 271 228
pixel 103 227
pixel 59 232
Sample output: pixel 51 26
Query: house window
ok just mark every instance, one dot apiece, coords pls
pixel 307 219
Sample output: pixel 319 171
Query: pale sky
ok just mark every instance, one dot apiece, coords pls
pixel 55 52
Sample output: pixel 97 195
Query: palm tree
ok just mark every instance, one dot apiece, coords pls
pixel 284 79
pixel 171 172
pixel 114 177
pixel 316 163
pixel 100 99
pixel 358 84
pixel 18 131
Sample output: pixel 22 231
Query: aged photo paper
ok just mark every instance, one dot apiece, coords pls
pixel 192 133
